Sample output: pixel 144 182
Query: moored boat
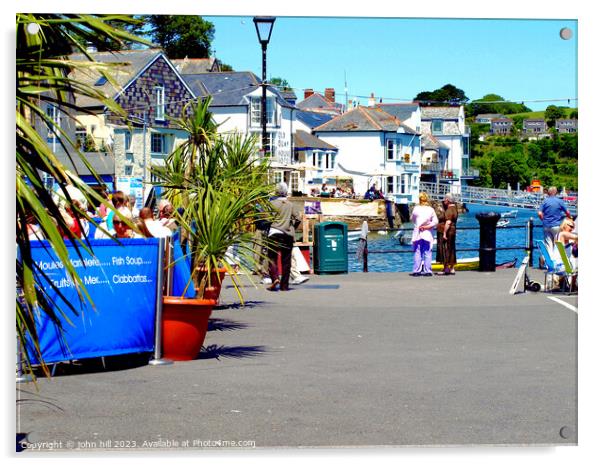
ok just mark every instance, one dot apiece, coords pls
pixel 472 263
pixel 509 214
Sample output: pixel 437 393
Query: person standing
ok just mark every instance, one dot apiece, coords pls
pixel 440 211
pixel 552 212
pixel 424 219
pixel 281 238
pixel 449 236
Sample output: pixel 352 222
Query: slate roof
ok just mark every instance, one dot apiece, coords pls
pixel 133 62
pixel 313 119
pixel 317 102
pixel 289 95
pixel 432 143
pixel 364 119
pixel 401 111
pixel 305 141
pixel 429 113
pixel 103 164
pixel 194 65
pixel 228 88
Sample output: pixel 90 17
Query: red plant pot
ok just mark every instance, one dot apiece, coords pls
pixel 213 291
pixel 184 326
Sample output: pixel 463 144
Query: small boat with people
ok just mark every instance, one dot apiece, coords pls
pixel 503 222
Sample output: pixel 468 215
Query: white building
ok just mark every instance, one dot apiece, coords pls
pixel 236 106
pixel 375 147
pixel 450 137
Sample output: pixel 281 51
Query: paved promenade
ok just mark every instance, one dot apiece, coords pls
pixel 343 360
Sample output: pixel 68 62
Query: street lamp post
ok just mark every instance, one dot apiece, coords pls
pixel 263 26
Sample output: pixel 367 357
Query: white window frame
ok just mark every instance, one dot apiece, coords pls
pixel 316 160
pixel 402 184
pixel 159 93
pixel 390 184
pixel 163 139
pixel 294 181
pixel 328 161
pixel 255 112
pixel 390 149
pixel 277 176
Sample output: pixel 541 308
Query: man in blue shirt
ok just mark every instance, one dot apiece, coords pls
pixel 552 212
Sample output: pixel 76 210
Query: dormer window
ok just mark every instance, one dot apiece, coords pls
pixel 437 127
pixel 159 103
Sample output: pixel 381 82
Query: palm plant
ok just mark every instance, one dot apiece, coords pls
pixel 219 183
pixel 43 72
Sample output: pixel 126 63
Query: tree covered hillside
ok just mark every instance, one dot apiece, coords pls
pixel 509 159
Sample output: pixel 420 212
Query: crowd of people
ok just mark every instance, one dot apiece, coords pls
pixel 345 192
pixel 124 221
pixel 276 239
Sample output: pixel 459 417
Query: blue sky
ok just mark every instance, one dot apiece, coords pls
pixel 520 60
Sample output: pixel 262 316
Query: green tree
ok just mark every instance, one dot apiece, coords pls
pixel 280 83
pixel 493 103
pixel 43 72
pixel 181 36
pixel 446 95
pixel 552 114
pixel 508 167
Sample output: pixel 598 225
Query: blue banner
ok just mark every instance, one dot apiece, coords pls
pixel 121 279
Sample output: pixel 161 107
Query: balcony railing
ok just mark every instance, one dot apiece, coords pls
pixel 449 174
pixel 470 173
pixel 431 167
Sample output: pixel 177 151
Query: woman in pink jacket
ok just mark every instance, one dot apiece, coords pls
pixel 424 219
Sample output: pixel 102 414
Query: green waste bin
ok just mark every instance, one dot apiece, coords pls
pixel 330 248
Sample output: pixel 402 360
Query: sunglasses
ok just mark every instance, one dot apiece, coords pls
pixel 118 222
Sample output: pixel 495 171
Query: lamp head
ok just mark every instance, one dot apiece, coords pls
pixel 264 25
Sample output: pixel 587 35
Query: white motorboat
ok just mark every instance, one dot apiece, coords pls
pixel 509 214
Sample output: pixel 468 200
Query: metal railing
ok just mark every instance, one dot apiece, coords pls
pixel 489 196
pixel 528 247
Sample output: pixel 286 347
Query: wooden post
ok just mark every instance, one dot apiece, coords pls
pixel 305 229
pixel 366 258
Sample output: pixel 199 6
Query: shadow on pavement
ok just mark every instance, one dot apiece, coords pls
pixel 92 365
pixel 238 305
pixel 225 325
pixel 237 352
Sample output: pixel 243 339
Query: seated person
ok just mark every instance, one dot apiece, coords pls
pixel 570 240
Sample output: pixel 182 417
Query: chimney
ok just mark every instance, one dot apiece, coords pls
pixel 371 100
pixel 308 92
pixel 329 94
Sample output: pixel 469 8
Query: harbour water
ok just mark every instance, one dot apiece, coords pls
pixel 398 258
